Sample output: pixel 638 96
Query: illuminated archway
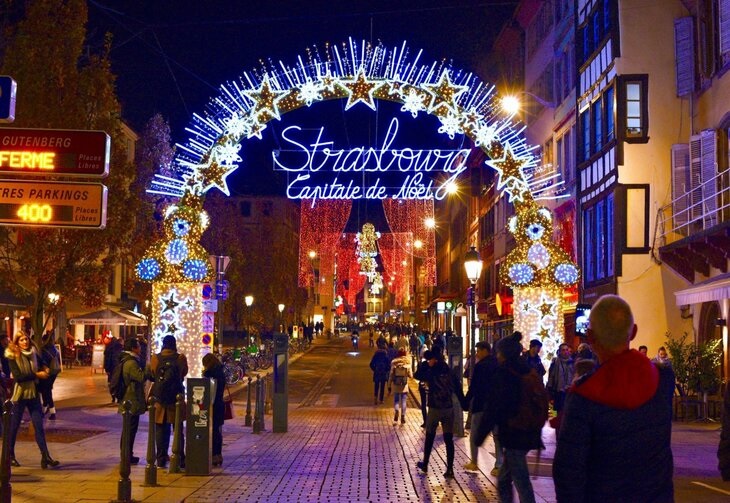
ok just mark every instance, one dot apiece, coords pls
pixel 361 74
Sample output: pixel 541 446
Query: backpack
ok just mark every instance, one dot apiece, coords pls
pixel 167 380
pixel 533 405
pixel 400 375
pixel 440 389
pixel 117 388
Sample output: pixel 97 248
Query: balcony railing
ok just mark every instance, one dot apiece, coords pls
pixel 698 210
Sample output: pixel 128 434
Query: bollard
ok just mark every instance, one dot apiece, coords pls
pixel 262 392
pixel 150 471
pixel 6 489
pixel 124 486
pixel 176 436
pixel 247 421
pixel 256 417
pixel 267 394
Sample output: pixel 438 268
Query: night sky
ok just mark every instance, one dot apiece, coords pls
pixel 170 56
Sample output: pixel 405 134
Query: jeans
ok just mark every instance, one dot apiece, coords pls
pixel 446 418
pixel 34 409
pixel 476 418
pixel 514 469
pixel 162 439
pixel 379 390
pixel 133 427
pixel 400 399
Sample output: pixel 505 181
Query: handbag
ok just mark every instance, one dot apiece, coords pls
pixel 227 405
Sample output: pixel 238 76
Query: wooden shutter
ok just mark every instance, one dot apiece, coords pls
pixel 695 178
pixel 724 15
pixel 684 56
pixel 708 172
pixel 680 186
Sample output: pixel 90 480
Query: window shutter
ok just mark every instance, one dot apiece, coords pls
pixel 724 15
pixel 695 178
pixel 680 185
pixel 684 55
pixel 708 148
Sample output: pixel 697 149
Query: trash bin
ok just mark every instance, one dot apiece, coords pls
pixel 199 431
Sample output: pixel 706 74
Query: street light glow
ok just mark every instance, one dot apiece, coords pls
pixel 511 104
pixel 452 188
pixel 281 308
pixel 248 299
pixel 418 244
pixel 430 223
pixel 312 254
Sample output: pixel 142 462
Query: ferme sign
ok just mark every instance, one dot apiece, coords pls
pixel 54 152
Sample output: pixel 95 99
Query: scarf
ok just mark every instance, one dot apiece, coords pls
pixel 27 364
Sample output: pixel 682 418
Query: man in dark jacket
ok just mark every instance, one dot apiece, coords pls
pixel 134 379
pixel 380 365
pixel 614 440
pixel 442 385
pixel 482 380
pixel 503 404
pixel 112 352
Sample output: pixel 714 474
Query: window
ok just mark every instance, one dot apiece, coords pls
pixel 267 208
pixel 634 108
pixel 585 129
pixel 609 110
pixel 246 209
pixel 597 126
pixel 598 252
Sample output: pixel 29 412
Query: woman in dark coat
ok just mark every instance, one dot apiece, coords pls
pixel 213 369
pixel 23 359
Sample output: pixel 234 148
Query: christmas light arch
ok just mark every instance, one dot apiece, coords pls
pixel 361 74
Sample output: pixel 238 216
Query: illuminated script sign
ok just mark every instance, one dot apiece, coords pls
pixel 53 204
pixel 364 172
pixel 54 152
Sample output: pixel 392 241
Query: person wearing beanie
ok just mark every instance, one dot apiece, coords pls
pixel 442 385
pixel 165 408
pixel 503 404
pixel 560 377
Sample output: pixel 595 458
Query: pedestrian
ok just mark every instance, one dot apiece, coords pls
pixel 355 338
pixel 442 385
pixel 560 377
pixel 167 370
pixel 133 377
pixel 50 358
pixel 475 401
pixel 422 386
pixel 532 357
pixel 662 358
pixel 400 372
pixel 506 408
pixel 213 369
pixel 723 449
pixel 643 350
pixel 614 445
pixel 584 361
pixel 112 352
pixel 23 359
pixel 380 365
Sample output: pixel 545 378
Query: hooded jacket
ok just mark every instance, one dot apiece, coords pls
pixel 401 361
pixel 614 440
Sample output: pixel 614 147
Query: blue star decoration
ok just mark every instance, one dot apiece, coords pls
pixel 170 303
pixel 360 90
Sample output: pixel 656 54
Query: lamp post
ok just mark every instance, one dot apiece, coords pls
pixel 473 266
pixel 281 316
pixel 248 300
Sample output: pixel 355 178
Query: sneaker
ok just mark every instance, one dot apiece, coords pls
pixel 422 466
pixel 449 474
pixel 395 417
pixel 494 472
pixel 423 425
pixel 471 467
pixel 403 420
pixel 52 417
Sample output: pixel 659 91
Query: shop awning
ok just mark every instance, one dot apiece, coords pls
pixel 717 288
pixel 106 317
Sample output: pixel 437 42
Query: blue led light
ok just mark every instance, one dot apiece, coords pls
pixel 148 269
pixel 195 269
pixel 566 274
pixel 180 227
pixel 535 231
pixel 176 251
pixel 521 274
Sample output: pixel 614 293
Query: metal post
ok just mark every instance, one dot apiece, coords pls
pixel 6 489
pixel 260 406
pixel 267 394
pixel 176 436
pixel 247 421
pixel 256 416
pixel 124 486
pixel 150 471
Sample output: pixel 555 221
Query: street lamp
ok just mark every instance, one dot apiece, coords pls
pixel 511 104
pixel 281 315
pixel 473 266
pixel 248 300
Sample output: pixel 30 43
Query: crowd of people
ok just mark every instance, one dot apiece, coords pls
pixel 612 407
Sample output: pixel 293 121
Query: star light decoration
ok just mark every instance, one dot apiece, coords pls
pixel 367 250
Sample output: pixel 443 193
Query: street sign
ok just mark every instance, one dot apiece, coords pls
pixel 54 152
pixel 210 306
pixel 207 291
pixel 8 88
pixel 53 204
pixel 221 289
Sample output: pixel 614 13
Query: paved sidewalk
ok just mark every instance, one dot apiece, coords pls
pixel 329 454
